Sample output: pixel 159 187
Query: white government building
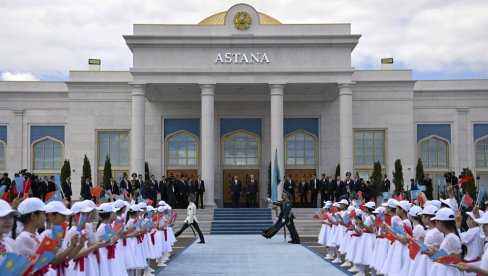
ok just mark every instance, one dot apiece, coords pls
pixel 218 98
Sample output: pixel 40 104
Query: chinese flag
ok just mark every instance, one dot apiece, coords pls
pixel 389 236
pixel 333 210
pixel 400 197
pixel 352 214
pixel 422 198
pixel 464 180
pixel 27 185
pixel 408 230
pixel 362 207
pixel 47 244
pixel 96 191
pixel 315 216
pixel 413 248
pixel 388 219
pixel 468 201
pixel 448 260
pixel 360 195
pixel 378 221
pixel 324 215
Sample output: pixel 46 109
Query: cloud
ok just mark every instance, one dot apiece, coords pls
pixel 52 37
pixel 9 76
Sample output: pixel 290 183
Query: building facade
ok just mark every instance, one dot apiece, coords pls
pixel 219 98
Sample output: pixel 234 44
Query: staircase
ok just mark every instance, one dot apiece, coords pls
pixel 241 221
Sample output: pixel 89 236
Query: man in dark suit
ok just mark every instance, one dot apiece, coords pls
pixel 182 192
pixel 86 187
pixel 251 191
pixel 332 189
pixel 171 190
pixel 340 188
pixel 66 186
pixel 162 188
pixel 151 189
pixel 349 184
pixel 303 188
pixel 314 188
pixel 200 189
pixel 49 186
pixel 289 187
pixel 113 187
pixel 324 188
pixel 190 185
pixel 385 184
pixel 140 184
pixel 125 185
pixel 235 190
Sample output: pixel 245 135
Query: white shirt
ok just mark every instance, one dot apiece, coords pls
pixel 418 232
pixel 26 244
pixel 191 213
pixel 433 237
pixel 452 244
pixel 9 245
pixel 473 242
pixel 484 259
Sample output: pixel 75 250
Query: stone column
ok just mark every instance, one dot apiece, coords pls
pixel 208 140
pixel 345 128
pixel 138 154
pixel 277 131
pixel 463 141
pixel 15 149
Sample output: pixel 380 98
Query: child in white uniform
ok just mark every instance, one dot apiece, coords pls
pixel 6 223
pixel 482 268
pixel 471 239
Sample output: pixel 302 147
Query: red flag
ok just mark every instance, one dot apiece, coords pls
pixel 47 244
pixel 117 227
pixel 149 202
pixel 448 260
pixel 362 207
pixel 422 198
pixel 315 216
pixel 333 210
pixel 360 195
pixel 378 221
pixel 96 191
pixel 27 185
pixel 389 236
pixel 388 219
pixel 465 179
pixel 324 215
pixel 413 248
pixel 408 230
pixel 468 201
pixel 400 197
pixel 352 214
pixel 49 195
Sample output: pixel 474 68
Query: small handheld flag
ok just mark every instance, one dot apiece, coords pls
pixel 81 223
pixel 2 190
pixel 413 248
pixel 439 254
pixel 481 195
pixel 13 264
pixel 449 260
pixel 467 201
pixel 45 258
pixel 57 181
pixel 352 214
pixel 47 244
pixel 423 246
pixel 398 229
pixel 19 184
pixel 53 196
pixel 386 196
pixel 96 191
pixel 465 179
pixel 109 234
pixel 414 194
pixel 57 232
pixel 149 202
pixel 360 195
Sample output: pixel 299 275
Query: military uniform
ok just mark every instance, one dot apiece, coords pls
pixel 285 217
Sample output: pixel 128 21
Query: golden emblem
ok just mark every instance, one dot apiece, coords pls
pixel 242 20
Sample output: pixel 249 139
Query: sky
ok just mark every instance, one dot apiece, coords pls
pixel 437 39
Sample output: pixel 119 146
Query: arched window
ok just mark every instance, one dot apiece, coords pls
pixel 482 153
pixel 182 149
pixel 434 153
pixel 240 149
pixel 116 145
pixel 2 155
pixel 48 154
pixel 300 149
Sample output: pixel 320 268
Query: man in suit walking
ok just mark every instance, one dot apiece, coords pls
pixel 289 187
pixel 235 189
pixel 314 187
pixel 303 188
pixel 251 191
pixel 200 189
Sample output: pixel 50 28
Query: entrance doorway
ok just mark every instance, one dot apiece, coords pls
pixel 243 177
pixel 297 175
pixel 189 174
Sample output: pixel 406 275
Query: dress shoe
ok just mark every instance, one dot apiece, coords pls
pixel 201 242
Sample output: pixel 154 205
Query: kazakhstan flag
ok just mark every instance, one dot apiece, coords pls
pixel 275 181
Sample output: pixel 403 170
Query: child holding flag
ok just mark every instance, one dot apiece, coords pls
pixel 482 268
pixel 6 223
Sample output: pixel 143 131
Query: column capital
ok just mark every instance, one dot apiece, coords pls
pixel 462 110
pixel 276 89
pixel 18 112
pixel 138 89
pixel 207 89
pixel 276 85
pixel 346 85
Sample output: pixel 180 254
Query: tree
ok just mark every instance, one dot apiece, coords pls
pixel 338 170
pixel 470 186
pixel 419 172
pixel 377 178
pixel 146 171
pixel 86 169
pixel 398 176
pixel 65 170
pixel 107 172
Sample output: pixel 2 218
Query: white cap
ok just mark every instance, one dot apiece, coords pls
pixel 344 201
pixel 135 208
pixel 58 207
pixel 31 205
pixel 80 207
pixel 380 209
pixel 405 205
pixel 150 208
pixel 161 209
pixel 415 211
pixel 434 202
pixel 471 214
pixel 359 212
pixel 370 205
pixel 161 203
pixel 446 201
pixel 142 205
pixel 328 205
pixel 90 203
pixel 392 203
pixel 483 219
pixel 335 204
pixel 444 214
pixel 6 209
pixel 429 210
pixel 106 208
pixel 118 204
pixel 350 208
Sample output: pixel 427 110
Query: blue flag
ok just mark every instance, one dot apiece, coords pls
pixel 386 196
pixel 19 184
pixel 481 195
pixel 45 258
pixel 13 264
pixel 81 223
pixel 121 197
pixel 346 218
pixel 414 194
pixel 56 232
pixel 439 254
pixel 382 216
pixel 57 181
pixel 398 229
pixel 276 178
pixel 55 197
pixel 2 190
pixel 423 246
pixel 109 234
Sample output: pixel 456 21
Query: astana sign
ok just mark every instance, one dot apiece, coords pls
pixel 241 58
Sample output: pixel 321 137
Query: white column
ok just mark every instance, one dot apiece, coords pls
pixel 463 141
pixel 208 140
pixel 15 148
pixel 277 131
pixel 138 154
pixel 345 127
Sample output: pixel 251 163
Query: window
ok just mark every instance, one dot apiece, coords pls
pixel 482 153
pixel 434 153
pixel 116 146
pixel 240 149
pixel 300 149
pixel 48 154
pixel 369 147
pixel 2 155
pixel 118 175
pixel 182 150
